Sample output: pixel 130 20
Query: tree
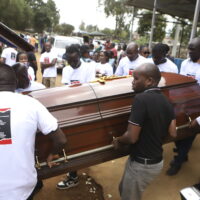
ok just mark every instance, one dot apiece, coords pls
pixel 15 14
pixel 186 27
pixel 45 15
pixel 64 29
pixel 53 13
pixel 145 26
pixel 120 11
pixel 91 28
pixel 82 26
pixel 108 31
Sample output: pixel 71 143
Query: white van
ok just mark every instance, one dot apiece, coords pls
pixel 59 44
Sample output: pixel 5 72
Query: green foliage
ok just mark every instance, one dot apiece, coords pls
pixel 23 14
pixel 82 26
pixel 120 11
pixel 14 13
pixel 142 40
pixel 108 31
pixel 144 28
pixel 91 28
pixel 64 29
pixel 186 27
pixel 46 16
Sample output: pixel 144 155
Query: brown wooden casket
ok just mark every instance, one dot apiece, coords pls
pixel 90 115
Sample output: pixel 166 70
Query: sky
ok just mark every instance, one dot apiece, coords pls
pixel 75 11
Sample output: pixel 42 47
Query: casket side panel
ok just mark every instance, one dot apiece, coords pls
pixel 186 103
pixel 91 124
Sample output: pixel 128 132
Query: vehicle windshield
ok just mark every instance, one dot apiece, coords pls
pixel 61 44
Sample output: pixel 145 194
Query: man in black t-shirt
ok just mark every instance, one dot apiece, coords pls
pixel 152 118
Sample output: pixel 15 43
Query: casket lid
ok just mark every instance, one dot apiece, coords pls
pixel 64 95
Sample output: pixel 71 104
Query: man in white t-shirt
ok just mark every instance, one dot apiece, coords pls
pixel 9 56
pixel 189 67
pixel 131 61
pixel 20 117
pixel 77 72
pixel 160 60
pixel 48 65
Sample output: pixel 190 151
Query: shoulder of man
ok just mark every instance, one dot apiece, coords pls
pixel 123 60
pixel 186 62
pixel 141 58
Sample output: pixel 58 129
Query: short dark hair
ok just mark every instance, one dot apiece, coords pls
pixel 166 48
pixel 110 54
pixel 20 53
pixel 159 49
pixel 21 72
pixel 8 81
pixel 106 54
pixel 74 48
pixel 151 70
pixel 124 47
pixel 143 46
pixel 84 49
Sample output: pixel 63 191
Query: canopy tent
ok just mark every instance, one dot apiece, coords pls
pixel 180 8
pixel 96 33
pixel 83 32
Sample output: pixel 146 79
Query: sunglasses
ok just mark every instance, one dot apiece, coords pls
pixel 146 52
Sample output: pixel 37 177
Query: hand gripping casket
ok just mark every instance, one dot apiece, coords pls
pixel 92 114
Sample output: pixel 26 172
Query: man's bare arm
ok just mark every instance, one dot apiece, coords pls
pixel 3 60
pixel 129 137
pixel 172 128
pixel 44 65
pixel 59 140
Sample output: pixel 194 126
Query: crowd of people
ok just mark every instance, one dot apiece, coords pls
pixel 152 116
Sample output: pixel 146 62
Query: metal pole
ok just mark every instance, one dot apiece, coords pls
pixel 152 23
pixel 195 20
pixel 131 29
pixel 176 39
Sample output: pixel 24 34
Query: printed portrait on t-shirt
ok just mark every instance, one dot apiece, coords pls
pixel 5 130
pixel 46 60
pixel 13 56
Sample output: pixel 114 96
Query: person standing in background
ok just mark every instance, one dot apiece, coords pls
pixel 48 65
pixel 9 56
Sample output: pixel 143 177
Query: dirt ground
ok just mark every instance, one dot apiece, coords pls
pixel 105 178
pixel 100 182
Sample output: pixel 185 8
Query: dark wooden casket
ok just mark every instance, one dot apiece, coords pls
pixel 9 35
pixel 91 114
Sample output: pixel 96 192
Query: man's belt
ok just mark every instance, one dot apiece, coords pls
pixel 148 161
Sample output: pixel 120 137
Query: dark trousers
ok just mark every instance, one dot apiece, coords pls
pixel 182 149
pixel 73 174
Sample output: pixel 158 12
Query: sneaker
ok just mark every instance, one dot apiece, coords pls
pixel 173 162
pixel 67 183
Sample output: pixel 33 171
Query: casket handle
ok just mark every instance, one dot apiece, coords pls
pixel 189 118
pixel 84 153
pixel 185 125
pixel 65 155
pixel 37 164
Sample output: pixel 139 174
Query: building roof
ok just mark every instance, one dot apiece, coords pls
pixel 180 8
